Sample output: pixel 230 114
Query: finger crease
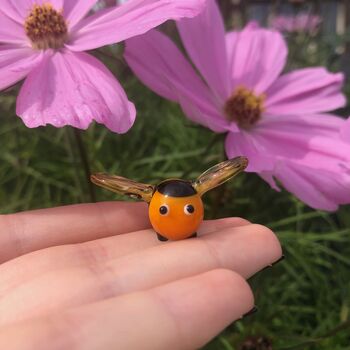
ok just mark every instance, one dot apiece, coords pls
pixel 105 275
pixel 177 330
pixel 213 253
pixel 15 229
pixel 102 219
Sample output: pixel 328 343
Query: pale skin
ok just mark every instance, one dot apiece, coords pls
pixel 95 276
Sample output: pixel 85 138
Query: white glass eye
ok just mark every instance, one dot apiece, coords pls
pixel 188 209
pixel 164 210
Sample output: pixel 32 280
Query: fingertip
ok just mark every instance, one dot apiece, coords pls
pixel 268 241
pixel 227 298
pixel 209 302
pixel 245 249
pixel 231 283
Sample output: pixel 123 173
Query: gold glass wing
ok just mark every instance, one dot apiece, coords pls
pixel 125 186
pixel 219 174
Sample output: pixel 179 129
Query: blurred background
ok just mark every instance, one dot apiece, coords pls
pixel 304 302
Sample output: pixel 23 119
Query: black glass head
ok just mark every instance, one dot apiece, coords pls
pixel 176 188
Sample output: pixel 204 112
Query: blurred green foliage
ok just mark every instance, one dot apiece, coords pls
pixel 304 302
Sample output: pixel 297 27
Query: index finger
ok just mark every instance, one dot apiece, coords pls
pixel 25 232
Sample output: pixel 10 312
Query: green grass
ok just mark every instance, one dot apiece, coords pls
pixel 304 302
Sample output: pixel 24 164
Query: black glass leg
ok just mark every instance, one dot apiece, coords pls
pixel 161 238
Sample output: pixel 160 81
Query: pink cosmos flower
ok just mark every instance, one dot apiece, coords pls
pixel 280 122
pixel 303 22
pixel 44 40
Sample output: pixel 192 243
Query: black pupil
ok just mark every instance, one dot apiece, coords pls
pixel 163 209
pixel 190 208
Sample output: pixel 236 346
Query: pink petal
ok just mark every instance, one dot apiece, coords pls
pixel 16 63
pixel 204 40
pixel 308 125
pixel 258 56
pixel 74 89
pixel 320 189
pixel 18 10
pixel 14 10
pixel 306 139
pixel 57 4
pixel 212 121
pixel 269 178
pixel 231 39
pixel 345 131
pixel 135 17
pixel 160 65
pixel 243 144
pixel 76 10
pixel 306 154
pixel 308 90
pixel 11 32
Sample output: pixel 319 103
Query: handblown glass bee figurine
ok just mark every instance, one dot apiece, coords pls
pixel 175 206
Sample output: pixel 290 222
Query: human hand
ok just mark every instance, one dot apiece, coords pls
pixel 94 276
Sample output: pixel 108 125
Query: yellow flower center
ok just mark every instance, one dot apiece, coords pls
pixel 46 27
pixel 244 107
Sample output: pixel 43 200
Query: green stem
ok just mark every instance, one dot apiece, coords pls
pixel 70 146
pixel 85 163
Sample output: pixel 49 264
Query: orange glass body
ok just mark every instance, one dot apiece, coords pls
pixel 178 222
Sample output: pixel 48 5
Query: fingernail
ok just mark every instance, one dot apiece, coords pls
pixel 274 263
pixel 252 311
pixel 279 260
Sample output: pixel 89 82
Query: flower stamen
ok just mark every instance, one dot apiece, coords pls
pixel 46 27
pixel 244 107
